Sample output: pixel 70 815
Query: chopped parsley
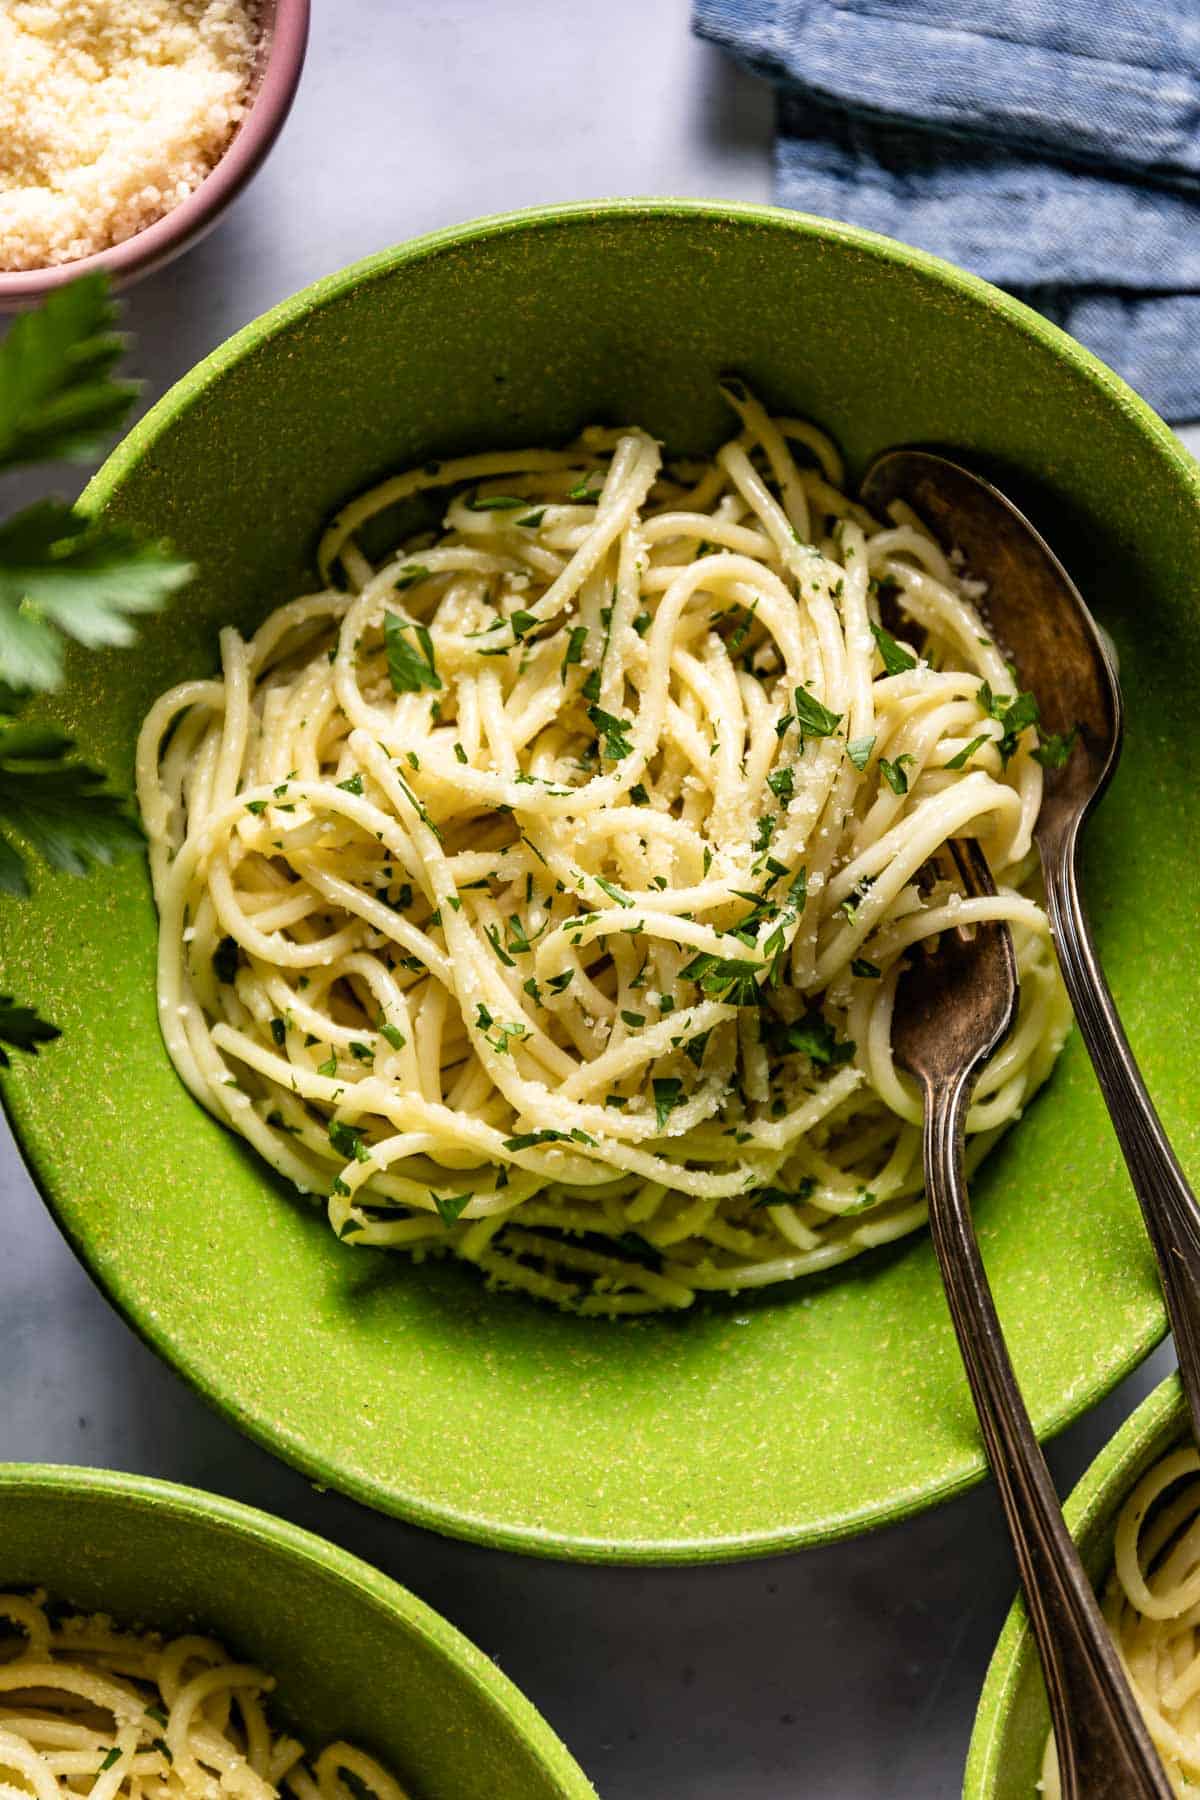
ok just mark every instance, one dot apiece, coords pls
pixel 962 757
pixel 450 1208
pixel 529 1140
pixel 614 893
pixel 614 732
pixel 814 1037
pixel 668 1094
pixel 774 1196
pixel 496 502
pixel 1056 747
pixel 354 785
pixel 729 978
pixel 409 575
pixel 859 751
pixel 813 719
pixel 782 783
pixel 893 772
pixel 896 658
pixel 410 667
pixel 347 1140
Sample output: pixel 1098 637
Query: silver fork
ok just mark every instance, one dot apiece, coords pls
pixel 953 1007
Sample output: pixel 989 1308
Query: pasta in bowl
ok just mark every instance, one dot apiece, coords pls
pixel 82 1700
pixel 1135 1515
pixel 420 1387
pixel 537 890
pixel 191 1646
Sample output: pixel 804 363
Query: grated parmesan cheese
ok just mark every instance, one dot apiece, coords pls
pixel 111 113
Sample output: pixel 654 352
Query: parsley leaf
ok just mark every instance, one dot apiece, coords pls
pixel 57 398
pixel 614 732
pixel 347 1140
pixel 729 978
pixel 893 772
pixel 773 1196
pixel 859 751
pixel 814 1036
pixel 813 719
pixel 529 1140
pixel 668 1094
pixel 576 639
pixel 1056 747
pixel 896 658
pixel 1023 711
pixel 782 783
pixel 408 576
pixel 63 574
pixel 450 1207
pixel 410 667
pixel 22 1029
pixel 61 809
pixel 962 757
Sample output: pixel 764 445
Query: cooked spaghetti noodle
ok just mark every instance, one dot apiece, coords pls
pixel 537 890
pixel 88 1709
pixel 1152 1605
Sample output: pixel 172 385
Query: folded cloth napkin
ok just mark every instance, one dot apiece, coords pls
pixel 1052 146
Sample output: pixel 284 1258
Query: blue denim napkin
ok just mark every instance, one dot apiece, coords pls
pixel 1052 146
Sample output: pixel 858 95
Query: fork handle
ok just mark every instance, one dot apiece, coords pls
pixel 1104 1749
pixel 1168 1204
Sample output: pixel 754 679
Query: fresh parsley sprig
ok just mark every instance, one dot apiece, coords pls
pixel 63 575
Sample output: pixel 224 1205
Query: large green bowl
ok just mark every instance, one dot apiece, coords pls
pixel 354 1655
pixel 1005 1758
pixel 800 1415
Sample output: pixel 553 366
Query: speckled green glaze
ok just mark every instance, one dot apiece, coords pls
pixel 1005 1757
pixel 354 1655
pixel 791 1417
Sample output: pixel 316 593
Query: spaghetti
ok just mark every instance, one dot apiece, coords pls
pixel 88 1709
pixel 537 891
pixel 1152 1606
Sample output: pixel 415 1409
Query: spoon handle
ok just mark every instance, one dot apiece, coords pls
pixel 1168 1204
pixel 1104 1749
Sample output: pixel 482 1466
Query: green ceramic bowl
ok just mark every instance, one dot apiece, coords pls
pixel 739 1428
pixel 355 1655
pixel 1005 1758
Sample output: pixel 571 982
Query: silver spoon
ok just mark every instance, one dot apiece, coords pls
pixel 953 1007
pixel 1044 626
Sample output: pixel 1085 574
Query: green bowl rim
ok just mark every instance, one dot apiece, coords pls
pixel 99 491
pixel 1146 1433
pixel 380 263
pixel 144 1492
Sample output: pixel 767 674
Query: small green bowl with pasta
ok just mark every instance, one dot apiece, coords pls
pixel 152 1634
pixel 1136 1518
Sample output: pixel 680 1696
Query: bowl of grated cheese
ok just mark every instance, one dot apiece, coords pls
pixel 126 131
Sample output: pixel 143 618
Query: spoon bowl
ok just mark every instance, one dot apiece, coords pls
pixel 1056 648
pixel 1041 621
